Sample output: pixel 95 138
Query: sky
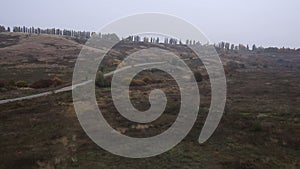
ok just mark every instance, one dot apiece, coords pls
pixel 265 23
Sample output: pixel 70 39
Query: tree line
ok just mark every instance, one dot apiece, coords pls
pixel 2 29
pixel 52 31
pixel 171 41
pixel 59 32
pixel 225 46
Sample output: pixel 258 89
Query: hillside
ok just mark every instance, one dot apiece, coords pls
pixel 260 128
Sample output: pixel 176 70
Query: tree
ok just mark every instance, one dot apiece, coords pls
pixel 242 47
pixel 157 40
pixel 137 38
pixel 227 45
pixel 166 41
pixel 254 47
pixel 2 29
pixel 232 47
pixel 146 39
pixel 222 45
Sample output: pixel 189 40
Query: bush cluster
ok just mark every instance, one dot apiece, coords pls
pixel 43 83
pixel 102 81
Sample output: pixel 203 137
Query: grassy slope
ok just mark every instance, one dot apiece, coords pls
pixel 260 128
pixel 33 136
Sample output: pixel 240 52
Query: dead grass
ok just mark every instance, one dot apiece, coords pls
pixel 260 128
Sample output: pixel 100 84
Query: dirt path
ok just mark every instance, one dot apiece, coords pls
pixel 69 88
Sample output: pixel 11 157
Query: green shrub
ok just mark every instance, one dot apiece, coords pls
pixel 102 81
pixel 107 80
pixel 257 126
pixel 101 68
pixel 21 84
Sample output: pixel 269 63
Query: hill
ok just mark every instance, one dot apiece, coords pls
pixel 260 128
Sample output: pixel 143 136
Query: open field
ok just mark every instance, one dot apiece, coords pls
pixel 260 128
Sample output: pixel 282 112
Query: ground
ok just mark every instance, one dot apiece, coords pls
pixel 260 127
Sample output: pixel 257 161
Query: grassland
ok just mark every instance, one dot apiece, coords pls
pixel 260 128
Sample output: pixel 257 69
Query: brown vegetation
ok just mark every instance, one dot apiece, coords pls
pixel 44 83
pixel 261 120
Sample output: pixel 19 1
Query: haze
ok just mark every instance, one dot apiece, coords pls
pixel 264 23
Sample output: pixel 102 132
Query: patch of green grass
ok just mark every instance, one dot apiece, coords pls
pixel 257 126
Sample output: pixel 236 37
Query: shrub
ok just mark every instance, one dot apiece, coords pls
pixel 147 79
pixel 102 81
pixel 11 83
pixel 57 81
pixel 134 82
pixel 107 80
pixel 198 76
pixel 137 82
pixel 257 126
pixel 21 84
pixel 7 84
pixel 226 70
pixel 234 65
pixel 101 68
pixel 2 83
pixel 157 81
pixel 45 83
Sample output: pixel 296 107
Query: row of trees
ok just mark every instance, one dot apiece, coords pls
pixel 227 46
pixel 171 41
pixel 2 29
pixel 86 35
pixel 108 36
pixel 139 39
pixel 53 31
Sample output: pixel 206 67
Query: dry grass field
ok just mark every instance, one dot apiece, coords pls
pixel 260 128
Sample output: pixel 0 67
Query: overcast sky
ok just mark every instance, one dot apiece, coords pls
pixel 263 22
